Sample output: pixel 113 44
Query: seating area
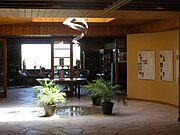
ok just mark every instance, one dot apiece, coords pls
pixel 28 77
pixel 84 74
pixel 23 78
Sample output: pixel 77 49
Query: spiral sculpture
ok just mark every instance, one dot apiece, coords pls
pixel 74 23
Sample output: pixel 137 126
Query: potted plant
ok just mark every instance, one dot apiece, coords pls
pixel 48 95
pixel 94 88
pixel 105 90
pixel 110 91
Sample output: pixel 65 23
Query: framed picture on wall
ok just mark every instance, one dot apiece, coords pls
pixel 166 65
pixel 146 65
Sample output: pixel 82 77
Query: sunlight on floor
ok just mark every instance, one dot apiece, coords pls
pixel 24 114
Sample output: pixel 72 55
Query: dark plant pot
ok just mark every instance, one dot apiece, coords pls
pixel 96 100
pixel 107 107
pixel 49 110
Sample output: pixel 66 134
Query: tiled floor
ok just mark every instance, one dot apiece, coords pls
pixel 19 115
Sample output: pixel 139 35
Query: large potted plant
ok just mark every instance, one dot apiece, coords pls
pixel 95 89
pixel 48 95
pixel 110 91
pixel 105 91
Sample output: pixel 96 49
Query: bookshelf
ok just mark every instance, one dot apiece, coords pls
pixel 122 67
pixel 106 58
pixel 91 62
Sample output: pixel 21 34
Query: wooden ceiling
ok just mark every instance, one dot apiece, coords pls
pixel 125 12
pixel 166 5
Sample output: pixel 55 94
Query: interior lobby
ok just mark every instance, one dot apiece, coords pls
pixel 134 43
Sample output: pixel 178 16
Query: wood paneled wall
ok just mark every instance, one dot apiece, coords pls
pixel 94 30
pixel 158 25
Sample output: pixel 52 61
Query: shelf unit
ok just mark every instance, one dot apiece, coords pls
pixel 13 57
pixel 106 58
pixel 91 62
pixel 122 74
pixel 13 61
pixel 1 66
pixel 122 67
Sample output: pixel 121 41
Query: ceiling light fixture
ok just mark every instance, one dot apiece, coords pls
pixel 159 8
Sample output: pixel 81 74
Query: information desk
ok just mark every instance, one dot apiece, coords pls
pixel 74 84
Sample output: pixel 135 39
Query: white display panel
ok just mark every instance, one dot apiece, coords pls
pixel 146 65
pixel 166 65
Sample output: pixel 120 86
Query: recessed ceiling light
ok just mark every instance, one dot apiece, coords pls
pixel 159 8
pixel 89 20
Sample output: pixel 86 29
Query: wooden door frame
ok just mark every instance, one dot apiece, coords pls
pixel 65 40
pixel 4 93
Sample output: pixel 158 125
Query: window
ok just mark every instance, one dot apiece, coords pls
pixel 36 55
pixel 76 53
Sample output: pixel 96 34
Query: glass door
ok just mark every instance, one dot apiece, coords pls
pixel 3 69
pixel 64 55
pixel 61 60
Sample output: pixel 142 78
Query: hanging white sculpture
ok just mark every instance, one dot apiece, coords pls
pixel 74 23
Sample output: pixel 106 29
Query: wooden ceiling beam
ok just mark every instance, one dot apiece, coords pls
pixel 147 5
pixel 57 1
pixel 116 5
pixel 156 2
pixel 99 5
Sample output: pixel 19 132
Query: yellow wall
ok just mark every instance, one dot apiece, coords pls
pixel 157 89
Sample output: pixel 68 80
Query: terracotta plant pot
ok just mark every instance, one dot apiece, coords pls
pixel 49 110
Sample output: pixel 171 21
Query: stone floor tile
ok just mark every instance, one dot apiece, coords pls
pixel 91 131
pixel 7 133
pixel 46 128
pixel 21 116
pixel 72 131
pixel 14 128
pixel 133 131
pixel 59 133
pixel 108 131
pixel 169 133
pixel 35 132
